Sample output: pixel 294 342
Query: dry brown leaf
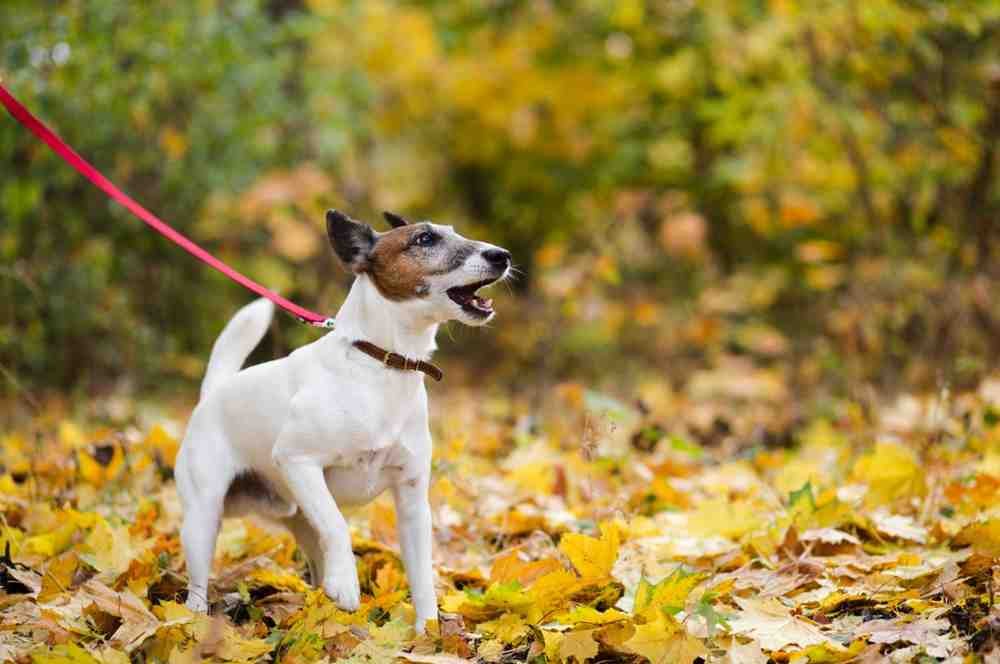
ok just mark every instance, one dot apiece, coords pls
pixel 579 645
pixel 137 621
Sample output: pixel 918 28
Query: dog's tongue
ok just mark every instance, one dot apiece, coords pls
pixel 480 303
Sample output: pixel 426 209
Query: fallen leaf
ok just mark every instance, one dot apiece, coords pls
pixel 58 576
pixel 669 594
pixel 773 626
pixel 828 536
pixel 725 518
pixel 891 471
pixel 433 659
pixel 664 641
pixel 510 567
pixel 67 653
pixel 923 631
pixel 748 653
pixel 579 645
pixel 508 629
pixel 982 536
pixel 593 558
pixel 137 622
pixel 901 527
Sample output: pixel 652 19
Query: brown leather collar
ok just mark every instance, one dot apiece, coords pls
pixel 397 361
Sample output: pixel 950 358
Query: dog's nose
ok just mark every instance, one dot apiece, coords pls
pixel 497 257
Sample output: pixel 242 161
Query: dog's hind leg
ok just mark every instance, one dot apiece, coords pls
pixel 308 543
pixel 198 535
pixel 203 499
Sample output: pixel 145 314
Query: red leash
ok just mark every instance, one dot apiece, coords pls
pixel 24 116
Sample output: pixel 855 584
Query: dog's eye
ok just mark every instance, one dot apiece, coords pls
pixel 425 239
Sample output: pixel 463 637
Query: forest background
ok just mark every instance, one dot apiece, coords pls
pixel 808 191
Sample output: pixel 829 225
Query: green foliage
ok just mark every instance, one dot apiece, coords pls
pixel 156 95
pixel 779 169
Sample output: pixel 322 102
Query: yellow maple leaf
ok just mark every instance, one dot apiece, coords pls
pixel 550 593
pixel 891 471
pixel 552 640
pixel 111 656
pixel 236 648
pixel 93 471
pixel 17 457
pixel 277 578
pixel 984 537
pixel 173 613
pixel 590 616
pixel 510 567
pixel 68 653
pixel 491 650
pixel 9 536
pixel 579 645
pixel 109 548
pixel 58 576
pixel 725 518
pixel 392 633
pixel 533 477
pixel 70 435
pixel 388 579
pixel 509 628
pixel 664 641
pixel 453 601
pixel 670 594
pixel 593 558
pixel 53 542
pixel 162 445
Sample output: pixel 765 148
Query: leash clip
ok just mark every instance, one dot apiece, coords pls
pixel 329 323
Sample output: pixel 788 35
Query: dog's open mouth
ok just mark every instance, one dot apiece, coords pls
pixel 472 304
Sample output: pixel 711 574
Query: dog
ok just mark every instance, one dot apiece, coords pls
pixel 340 420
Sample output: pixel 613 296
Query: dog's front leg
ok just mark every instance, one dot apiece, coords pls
pixel 413 514
pixel 303 476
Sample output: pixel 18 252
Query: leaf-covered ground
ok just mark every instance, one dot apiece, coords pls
pixel 726 524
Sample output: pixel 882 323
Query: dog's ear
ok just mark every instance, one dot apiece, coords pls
pixel 351 240
pixel 395 220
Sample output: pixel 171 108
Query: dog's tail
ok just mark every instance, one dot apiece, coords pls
pixel 240 336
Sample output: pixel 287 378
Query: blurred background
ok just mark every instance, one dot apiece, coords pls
pixel 753 197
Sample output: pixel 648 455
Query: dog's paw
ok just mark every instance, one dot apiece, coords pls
pixel 343 589
pixel 425 614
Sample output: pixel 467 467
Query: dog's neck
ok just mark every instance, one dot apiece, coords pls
pixel 367 315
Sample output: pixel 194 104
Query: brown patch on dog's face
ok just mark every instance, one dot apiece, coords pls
pixel 404 258
pixel 397 271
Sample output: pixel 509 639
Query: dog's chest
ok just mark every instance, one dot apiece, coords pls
pixel 361 424
pixel 360 477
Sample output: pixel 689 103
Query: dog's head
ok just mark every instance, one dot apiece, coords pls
pixel 429 265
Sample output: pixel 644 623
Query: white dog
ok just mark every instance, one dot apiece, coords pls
pixel 339 420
